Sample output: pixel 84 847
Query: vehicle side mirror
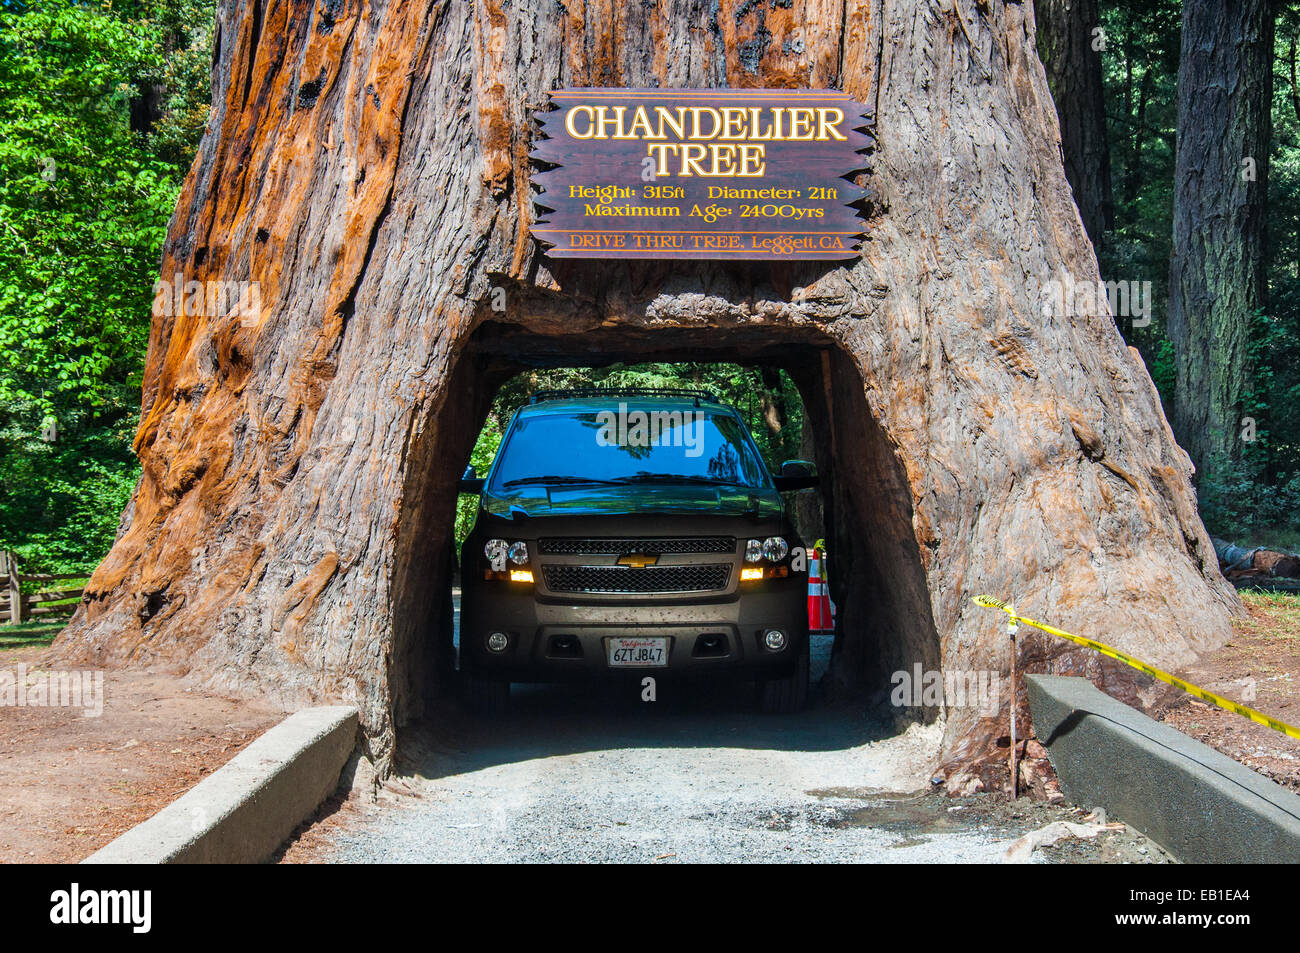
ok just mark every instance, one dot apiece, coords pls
pixel 470 481
pixel 797 475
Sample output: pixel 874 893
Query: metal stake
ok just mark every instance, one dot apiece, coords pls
pixel 1012 626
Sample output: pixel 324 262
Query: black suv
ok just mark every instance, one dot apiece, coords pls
pixel 633 530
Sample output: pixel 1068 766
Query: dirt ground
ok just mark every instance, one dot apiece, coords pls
pixel 842 824
pixel 69 784
pixel 572 776
pixel 1264 654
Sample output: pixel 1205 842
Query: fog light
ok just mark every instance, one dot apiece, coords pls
pixel 498 642
pixel 774 639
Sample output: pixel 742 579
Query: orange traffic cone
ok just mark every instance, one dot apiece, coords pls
pixel 821 614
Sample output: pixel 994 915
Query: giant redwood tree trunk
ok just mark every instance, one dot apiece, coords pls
pixel 367 163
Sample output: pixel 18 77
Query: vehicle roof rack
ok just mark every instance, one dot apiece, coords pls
pixel 696 395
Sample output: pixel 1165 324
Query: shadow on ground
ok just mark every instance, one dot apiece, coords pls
pixel 562 719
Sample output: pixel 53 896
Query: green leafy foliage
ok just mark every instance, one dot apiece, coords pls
pixel 88 181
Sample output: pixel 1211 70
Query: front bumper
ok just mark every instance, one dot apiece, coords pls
pixel 556 639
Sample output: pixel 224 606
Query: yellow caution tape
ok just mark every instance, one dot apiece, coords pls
pixel 1226 703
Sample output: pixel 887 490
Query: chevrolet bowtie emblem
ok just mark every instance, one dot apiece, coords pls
pixel 638 560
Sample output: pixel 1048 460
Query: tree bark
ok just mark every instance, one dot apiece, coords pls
pixel 370 170
pixel 1216 275
pixel 1068 44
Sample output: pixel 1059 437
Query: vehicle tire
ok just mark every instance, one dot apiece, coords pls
pixel 486 696
pixel 785 696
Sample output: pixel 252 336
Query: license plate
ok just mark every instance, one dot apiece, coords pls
pixel 637 653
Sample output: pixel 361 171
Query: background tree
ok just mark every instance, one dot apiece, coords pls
pixel 1140 73
pixel 1217 282
pixel 1070 41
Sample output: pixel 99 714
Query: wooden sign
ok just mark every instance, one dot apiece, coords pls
pixel 700 173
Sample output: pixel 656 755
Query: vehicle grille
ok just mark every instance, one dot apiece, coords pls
pixel 702 578
pixel 621 546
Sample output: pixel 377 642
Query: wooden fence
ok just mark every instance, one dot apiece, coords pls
pixel 50 601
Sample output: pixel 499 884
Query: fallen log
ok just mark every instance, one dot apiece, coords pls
pixel 1236 561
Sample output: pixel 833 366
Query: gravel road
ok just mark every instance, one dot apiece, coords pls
pixel 697 775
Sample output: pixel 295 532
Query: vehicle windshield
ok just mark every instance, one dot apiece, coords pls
pixel 629 446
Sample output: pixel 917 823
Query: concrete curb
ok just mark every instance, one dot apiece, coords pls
pixel 246 809
pixel 1200 805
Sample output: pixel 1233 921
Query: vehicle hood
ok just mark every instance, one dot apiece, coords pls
pixel 538 500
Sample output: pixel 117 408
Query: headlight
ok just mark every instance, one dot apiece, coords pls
pixel 518 553
pixel 495 551
pixel 753 550
pixel 775 549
